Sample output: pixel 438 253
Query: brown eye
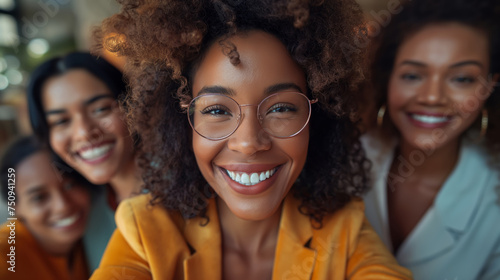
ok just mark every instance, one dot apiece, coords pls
pixel 39 198
pixel 464 79
pixel 58 122
pixel 410 77
pixel 102 110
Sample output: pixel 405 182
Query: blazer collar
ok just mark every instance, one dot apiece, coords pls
pixel 293 257
pixel 206 260
pixel 460 195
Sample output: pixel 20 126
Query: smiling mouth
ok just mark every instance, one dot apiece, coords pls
pixel 250 179
pixel 428 119
pixel 95 152
pixel 68 221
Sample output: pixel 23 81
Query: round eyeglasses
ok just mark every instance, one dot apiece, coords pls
pixel 216 116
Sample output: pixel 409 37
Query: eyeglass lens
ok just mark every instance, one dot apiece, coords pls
pixel 216 116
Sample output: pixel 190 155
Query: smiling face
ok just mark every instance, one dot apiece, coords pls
pixel 87 130
pixel 250 170
pixel 438 85
pixel 54 210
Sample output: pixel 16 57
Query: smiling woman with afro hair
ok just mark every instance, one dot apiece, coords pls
pixel 233 194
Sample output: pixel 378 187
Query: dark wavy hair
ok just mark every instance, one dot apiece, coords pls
pixel 162 42
pixel 57 66
pixel 22 148
pixel 483 15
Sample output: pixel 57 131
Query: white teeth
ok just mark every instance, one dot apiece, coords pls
pixel 93 153
pixel 262 176
pixel 250 179
pixel 429 119
pixel 67 221
pixel 245 179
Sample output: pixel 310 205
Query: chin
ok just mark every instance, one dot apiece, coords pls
pixel 254 211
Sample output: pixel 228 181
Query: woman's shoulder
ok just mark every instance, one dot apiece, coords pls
pixel 139 211
pixel 348 219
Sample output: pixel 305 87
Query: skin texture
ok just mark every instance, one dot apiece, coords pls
pixel 250 222
pixel 44 199
pixel 440 70
pixel 90 116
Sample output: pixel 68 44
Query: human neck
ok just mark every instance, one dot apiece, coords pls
pixel 127 182
pixel 251 237
pixel 433 167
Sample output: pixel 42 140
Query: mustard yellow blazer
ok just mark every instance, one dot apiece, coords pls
pixel 153 243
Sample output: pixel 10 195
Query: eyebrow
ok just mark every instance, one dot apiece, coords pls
pixel 467 62
pixel 34 190
pixel 269 90
pixel 281 87
pixel 86 103
pixel 459 64
pixel 216 89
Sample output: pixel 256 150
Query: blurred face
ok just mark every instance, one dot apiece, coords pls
pixel 87 130
pixel 54 208
pixel 439 84
pixel 250 170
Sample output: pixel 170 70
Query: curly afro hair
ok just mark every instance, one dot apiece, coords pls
pixel 164 40
pixel 484 15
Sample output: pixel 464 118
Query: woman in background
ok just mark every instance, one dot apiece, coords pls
pixel 74 105
pixel 436 150
pixel 52 210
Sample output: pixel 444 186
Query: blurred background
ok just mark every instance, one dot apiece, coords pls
pixel 32 31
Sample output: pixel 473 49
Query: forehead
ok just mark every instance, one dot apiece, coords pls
pixel 445 43
pixel 74 86
pixel 36 170
pixel 264 61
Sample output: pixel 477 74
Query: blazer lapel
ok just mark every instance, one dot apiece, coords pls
pixel 453 209
pixel 293 258
pixel 429 239
pixel 206 260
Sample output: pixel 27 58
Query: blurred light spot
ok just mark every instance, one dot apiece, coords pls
pixel 8 31
pixel 15 77
pixel 38 47
pixel 4 82
pixel 7 4
pixel 12 62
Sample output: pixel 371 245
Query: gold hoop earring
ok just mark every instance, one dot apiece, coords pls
pixel 380 115
pixel 484 123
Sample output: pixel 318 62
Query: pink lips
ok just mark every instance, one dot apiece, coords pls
pixel 253 189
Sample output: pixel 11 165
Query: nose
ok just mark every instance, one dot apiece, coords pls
pixel 85 129
pixel 61 204
pixel 249 138
pixel 433 93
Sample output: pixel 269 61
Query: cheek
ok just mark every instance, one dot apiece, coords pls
pixel 30 214
pixel 115 124
pixel 398 95
pixel 296 148
pixel 58 141
pixel 205 151
pixel 469 103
